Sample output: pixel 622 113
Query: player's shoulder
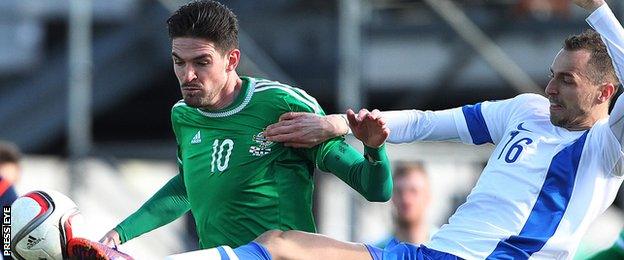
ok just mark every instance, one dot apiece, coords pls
pixel 270 88
pixel 292 96
pixel 526 104
pixel 180 107
pixel 181 110
pixel 530 98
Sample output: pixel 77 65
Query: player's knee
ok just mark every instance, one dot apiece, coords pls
pixel 275 241
pixel 269 236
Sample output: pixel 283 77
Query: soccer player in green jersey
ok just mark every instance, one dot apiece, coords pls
pixel 237 183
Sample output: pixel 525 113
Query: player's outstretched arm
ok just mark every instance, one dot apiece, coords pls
pixel 168 204
pixel 306 130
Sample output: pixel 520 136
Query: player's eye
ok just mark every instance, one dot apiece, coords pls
pixel 177 62
pixel 203 63
pixel 568 80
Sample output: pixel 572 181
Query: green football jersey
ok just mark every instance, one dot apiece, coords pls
pixel 238 184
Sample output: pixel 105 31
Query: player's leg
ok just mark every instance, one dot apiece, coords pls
pixel 302 245
pixel 286 245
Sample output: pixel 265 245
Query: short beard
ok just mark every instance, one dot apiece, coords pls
pixel 568 122
pixel 560 122
pixel 196 102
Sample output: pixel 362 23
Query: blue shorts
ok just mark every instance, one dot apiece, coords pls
pixel 404 251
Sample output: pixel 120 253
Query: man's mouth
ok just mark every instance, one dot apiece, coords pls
pixel 191 86
pixel 555 105
pixel 192 89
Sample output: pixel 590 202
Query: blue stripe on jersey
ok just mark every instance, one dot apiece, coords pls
pixel 476 124
pixel 549 208
pixel 224 255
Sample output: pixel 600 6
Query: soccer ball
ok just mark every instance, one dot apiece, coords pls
pixel 41 224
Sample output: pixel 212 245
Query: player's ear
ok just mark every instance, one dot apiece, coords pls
pixel 233 57
pixel 607 90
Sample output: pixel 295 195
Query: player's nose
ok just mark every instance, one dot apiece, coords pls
pixel 188 74
pixel 552 88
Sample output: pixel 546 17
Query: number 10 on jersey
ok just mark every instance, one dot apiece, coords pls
pixel 221 151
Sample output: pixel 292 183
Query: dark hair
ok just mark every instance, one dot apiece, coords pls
pixel 600 65
pixel 207 20
pixel 9 153
pixel 403 168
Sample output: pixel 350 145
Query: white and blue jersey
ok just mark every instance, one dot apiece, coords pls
pixel 543 185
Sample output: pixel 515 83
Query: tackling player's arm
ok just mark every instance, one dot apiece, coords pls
pixel 306 130
pixel 301 129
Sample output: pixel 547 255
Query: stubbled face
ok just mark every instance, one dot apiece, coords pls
pixel 411 197
pixel 201 69
pixel 571 93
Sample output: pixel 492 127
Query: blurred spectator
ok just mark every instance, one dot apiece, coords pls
pixel 10 169
pixel 543 9
pixel 411 198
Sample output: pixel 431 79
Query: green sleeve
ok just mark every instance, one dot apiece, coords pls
pixel 168 204
pixel 371 178
pixel 369 174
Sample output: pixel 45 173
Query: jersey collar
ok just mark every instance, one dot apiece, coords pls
pixel 241 101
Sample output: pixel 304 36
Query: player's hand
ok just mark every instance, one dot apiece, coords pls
pixel 111 239
pixel 589 5
pixel 305 130
pixel 369 127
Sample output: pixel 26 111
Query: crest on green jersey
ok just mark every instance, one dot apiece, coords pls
pixel 262 147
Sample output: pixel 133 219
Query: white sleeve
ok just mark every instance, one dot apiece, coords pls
pixel 604 22
pixel 484 122
pixel 415 125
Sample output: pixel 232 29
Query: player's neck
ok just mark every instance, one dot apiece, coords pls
pixel 587 122
pixel 229 93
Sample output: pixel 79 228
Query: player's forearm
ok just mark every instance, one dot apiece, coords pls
pixel 415 125
pixel 339 124
pixel 168 204
pixel 370 175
